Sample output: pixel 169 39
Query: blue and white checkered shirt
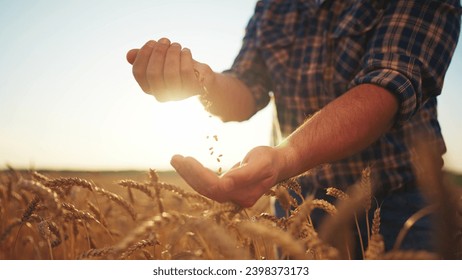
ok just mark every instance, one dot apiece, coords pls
pixel 309 53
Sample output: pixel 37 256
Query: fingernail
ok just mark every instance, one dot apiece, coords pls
pixel 175 45
pixel 151 43
pixel 174 160
pixel 164 41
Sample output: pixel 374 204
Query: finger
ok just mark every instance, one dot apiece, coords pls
pixel 155 67
pixel 194 172
pixel 203 180
pixel 172 76
pixel 131 55
pixel 189 79
pixel 140 63
pixel 245 184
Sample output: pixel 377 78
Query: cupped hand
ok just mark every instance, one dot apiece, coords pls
pixel 243 184
pixel 167 71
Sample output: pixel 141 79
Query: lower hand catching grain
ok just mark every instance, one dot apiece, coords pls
pixel 243 184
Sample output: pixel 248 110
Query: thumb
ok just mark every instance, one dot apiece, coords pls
pixel 203 73
pixel 131 55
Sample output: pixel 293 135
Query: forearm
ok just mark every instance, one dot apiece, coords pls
pixel 228 98
pixel 344 127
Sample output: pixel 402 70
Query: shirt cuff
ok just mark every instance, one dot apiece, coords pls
pixel 259 92
pixel 400 75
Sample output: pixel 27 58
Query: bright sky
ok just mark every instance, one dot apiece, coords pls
pixel 68 99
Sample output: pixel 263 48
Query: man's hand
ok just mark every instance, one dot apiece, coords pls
pixel 243 184
pixel 167 71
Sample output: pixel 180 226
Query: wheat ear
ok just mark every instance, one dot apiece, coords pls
pixel 119 200
pixel 138 246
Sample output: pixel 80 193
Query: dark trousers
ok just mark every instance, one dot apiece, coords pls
pixel 396 208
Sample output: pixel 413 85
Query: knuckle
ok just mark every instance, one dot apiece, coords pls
pixel 160 49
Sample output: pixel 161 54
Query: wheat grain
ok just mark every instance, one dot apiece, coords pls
pixel 45 233
pixel 147 254
pixel 338 194
pixel 324 205
pixel 39 177
pixel 375 248
pixel 269 217
pixel 56 232
pixel 66 183
pixel 44 230
pixel 294 185
pixel 135 185
pixel 365 187
pixel 92 253
pixel 73 213
pixel 153 176
pixel 376 222
pixel 284 198
pixel 30 209
pixel 300 215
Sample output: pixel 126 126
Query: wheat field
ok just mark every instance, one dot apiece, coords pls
pixel 44 216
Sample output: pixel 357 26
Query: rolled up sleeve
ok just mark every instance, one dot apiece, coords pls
pixel 249 66
pixel 410 51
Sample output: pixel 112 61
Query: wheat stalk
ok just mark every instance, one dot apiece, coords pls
pixel 375 248
pixel 410 222
pixel 294 248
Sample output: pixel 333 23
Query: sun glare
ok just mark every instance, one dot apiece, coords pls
pixel 189 130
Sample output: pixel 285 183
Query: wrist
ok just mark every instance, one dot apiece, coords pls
pixel 206 83
pixel 205 77
pixel 287 161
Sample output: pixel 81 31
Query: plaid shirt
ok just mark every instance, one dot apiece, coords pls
pixel 307 53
